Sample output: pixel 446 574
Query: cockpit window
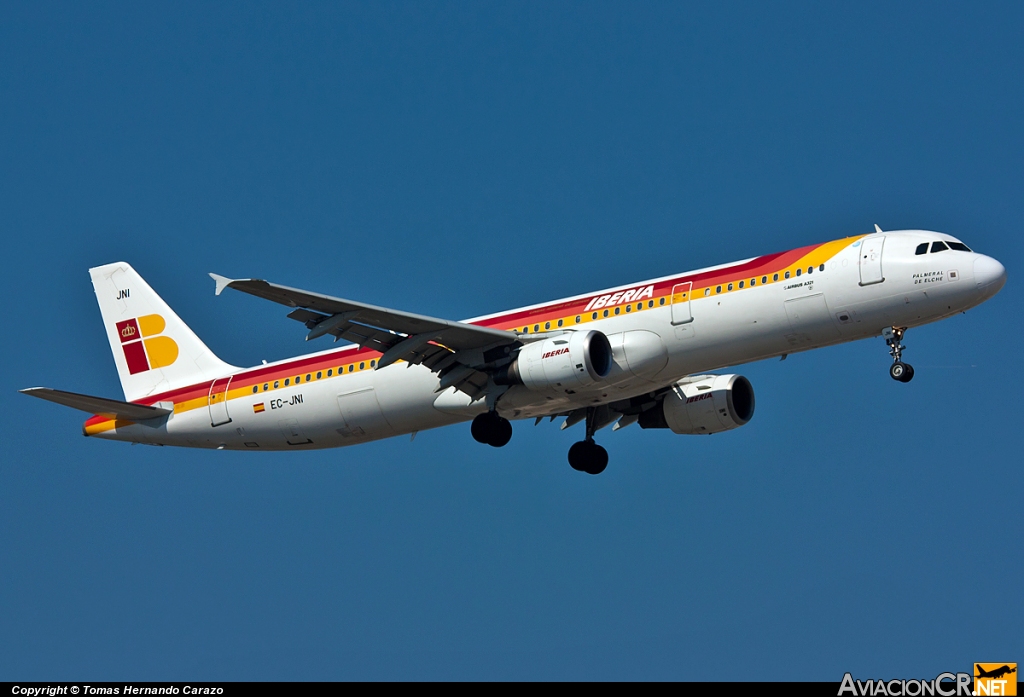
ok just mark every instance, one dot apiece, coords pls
pixel 959 246
pixel 921 248
pixel 939 247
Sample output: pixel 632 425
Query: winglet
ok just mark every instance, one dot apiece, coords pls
pixel 222 282
pixel 878 229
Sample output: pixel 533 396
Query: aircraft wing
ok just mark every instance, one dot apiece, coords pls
pixel 436 343
pixel 98 405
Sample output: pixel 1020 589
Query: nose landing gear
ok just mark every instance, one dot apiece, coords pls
pixel 586 455
pixel 491 429
pixel 903 372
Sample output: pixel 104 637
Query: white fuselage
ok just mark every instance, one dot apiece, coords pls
pixel 715 329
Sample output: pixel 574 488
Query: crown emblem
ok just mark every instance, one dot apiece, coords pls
pixel 128 330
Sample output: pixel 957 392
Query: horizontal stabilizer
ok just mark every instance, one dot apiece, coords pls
pixel 98 405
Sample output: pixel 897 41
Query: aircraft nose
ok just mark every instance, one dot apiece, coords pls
pixel 989 274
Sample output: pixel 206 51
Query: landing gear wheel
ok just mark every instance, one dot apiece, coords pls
pixel 587 456
pixel 599 460
pixel 481 428
pixel 491 429
pixel 899 370
pixel 502 433
pixel 578 456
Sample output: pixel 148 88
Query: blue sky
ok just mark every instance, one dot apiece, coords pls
pixel 459 159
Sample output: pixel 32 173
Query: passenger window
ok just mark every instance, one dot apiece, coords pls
pixel 287 381
pixel 559 323
pixel 606 313
pixel 650 303
pixel 753 281
pixel 547 325
pixel 629 308
pixel 821 267
pixel 352 368
pixel 330 372
pixel 362 365
pixel 799 271
pixel 309 377
pixel 661 301
pixel 741 284
pixel 266 386
pixel 319 375
pixel 959 246
pixel 277 383
pixel 298 379
pixel 373 363
pixel 921 249
pixel 707 292
pixel 787 274
pixel 255 389
pixel 536 327
pixel 593 316
pixel 764 279
pixel 616 310
pixel 775 277
pixel 939 247
pixel 718 289
pixel 810 269
pixel 577 319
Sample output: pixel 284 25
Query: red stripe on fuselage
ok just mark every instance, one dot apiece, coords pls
pixel 766 264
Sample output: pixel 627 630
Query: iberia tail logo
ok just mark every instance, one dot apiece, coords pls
pixel 143 348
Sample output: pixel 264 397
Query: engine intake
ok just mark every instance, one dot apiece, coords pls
pixel 703 404
pixel 567 363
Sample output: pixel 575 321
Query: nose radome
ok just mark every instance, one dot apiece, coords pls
pixel 989 274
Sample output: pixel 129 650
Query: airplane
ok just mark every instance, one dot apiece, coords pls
pixel 634 354
pixel 996 673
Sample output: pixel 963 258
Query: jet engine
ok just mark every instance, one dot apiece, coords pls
pixel 572 361
pixel 703 404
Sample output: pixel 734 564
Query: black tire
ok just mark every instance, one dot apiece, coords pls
pixel 897 370
pixel 578 456
pixel 908 374
pixel 501 432
pixel 483 428
pixel 598 459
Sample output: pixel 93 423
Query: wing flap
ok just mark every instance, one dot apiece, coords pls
pixel 443 346
pixel 316 308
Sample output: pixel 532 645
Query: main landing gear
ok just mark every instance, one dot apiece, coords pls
pixel 491 429
pixel 586 455
pixel 904 372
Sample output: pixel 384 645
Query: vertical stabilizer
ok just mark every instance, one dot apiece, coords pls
pixel 153 349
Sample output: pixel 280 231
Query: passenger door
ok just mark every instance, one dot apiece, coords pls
pixel 871 260
pixel 681 303
pixel 219 402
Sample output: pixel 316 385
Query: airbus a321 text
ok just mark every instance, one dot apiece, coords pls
pixel 637 354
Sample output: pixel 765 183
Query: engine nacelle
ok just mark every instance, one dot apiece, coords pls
pixel 567 363
pixel 703 404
